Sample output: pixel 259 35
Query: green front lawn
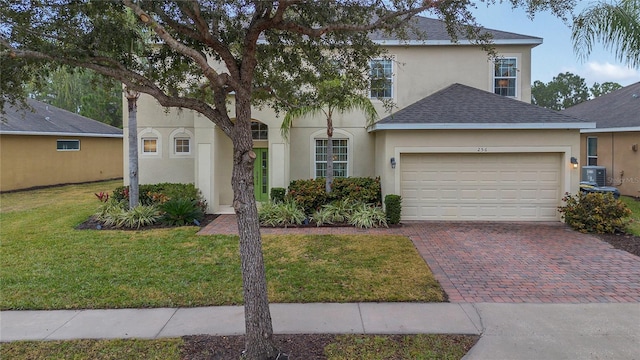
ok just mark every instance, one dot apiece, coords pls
pixel 47 264
pixel 634 205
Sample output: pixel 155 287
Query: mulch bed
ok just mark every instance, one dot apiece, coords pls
pixel 207 347
pixel 93 224
pixel 294 347
pixel 626 242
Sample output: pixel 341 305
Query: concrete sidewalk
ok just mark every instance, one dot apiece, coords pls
pixel 509 331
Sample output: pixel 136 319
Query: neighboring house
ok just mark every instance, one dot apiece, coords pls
pixel 51 146
pixel 465 144
pixel 614 142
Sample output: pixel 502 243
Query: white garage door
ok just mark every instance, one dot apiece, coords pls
pixel 523 187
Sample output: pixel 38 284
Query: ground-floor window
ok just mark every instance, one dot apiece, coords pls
pixel 68 145
pixel 340 158
pixel 592 151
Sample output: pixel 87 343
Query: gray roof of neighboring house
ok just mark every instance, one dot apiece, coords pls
pixel 463 107
pixel 50 120
pixel 436 33
pixel 617 109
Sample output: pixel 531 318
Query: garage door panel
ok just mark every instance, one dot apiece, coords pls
pixel 480 186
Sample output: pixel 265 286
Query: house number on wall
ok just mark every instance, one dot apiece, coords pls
pixel 483 149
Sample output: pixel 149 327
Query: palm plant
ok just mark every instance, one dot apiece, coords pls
pixel 617 26
pixel 333 95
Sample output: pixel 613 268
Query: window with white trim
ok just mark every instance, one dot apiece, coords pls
pixel 340 158
pixel 505 76
pixel 381 73
pixel 182 145
pixel 150 143
pixel 592 151
pixel 68 145
pixel 150 146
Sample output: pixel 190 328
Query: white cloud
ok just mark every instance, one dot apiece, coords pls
pixel 602 72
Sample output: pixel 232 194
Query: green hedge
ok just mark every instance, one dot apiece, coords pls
pixel 311 195
pixel 157 194
pixel 393 208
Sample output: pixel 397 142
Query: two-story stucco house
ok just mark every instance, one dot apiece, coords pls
pixel 463 144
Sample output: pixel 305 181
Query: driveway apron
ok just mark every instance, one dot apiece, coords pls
pixel 506 262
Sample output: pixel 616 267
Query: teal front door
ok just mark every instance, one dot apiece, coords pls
pixel 261 174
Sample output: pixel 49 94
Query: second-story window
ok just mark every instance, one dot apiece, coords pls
pixel 504 77
pixel 381 79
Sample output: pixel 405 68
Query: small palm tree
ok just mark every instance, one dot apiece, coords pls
pixel 617 26
pixel 331 96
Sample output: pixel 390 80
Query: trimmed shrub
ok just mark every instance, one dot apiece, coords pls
pixel 158 194
pixel 281 214
pixel 368 216
pixel 393 208
pixel 311 195
pixel 594 213
pixel 141 215
pixel 116 214
pixel 357 189
pixel 181 212
pixel 277 194
pixel 336 212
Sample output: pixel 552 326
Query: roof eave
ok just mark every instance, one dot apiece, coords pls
pixel 44 133
pixel 396 42
pixel 611 129
pixel 482 126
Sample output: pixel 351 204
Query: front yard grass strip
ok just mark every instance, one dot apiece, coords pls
pixel 415 347
pixel 121 349
pixel 342 347
pixel 634 205
pixel 47 264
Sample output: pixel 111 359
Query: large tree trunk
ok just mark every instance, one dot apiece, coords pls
pixel 132 101
pixel 259 330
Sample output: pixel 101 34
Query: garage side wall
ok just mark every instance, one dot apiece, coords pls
pixel 32 161
pixel 616 153
pixel 563 144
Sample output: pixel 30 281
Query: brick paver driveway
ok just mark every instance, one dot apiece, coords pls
pixel 508 262
pixel 525 262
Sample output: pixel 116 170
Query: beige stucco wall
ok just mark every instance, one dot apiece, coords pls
pixel 419 71
pixel 616 154
pixel 394 143
pixel 422 70
pixel 31 161
pixel 166 166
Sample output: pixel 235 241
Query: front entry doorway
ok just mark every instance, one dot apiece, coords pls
pixel 261 174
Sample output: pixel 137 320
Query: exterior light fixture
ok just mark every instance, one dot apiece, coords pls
pixel 393 163
pixel 574 162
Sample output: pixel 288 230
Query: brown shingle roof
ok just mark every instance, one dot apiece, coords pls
pixel 618 109
pixel 458 106
pixel 436 30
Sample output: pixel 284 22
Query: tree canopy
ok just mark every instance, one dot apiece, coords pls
pixel 82 92
pixel 567 89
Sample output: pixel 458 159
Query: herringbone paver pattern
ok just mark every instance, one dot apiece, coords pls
pixel 506 262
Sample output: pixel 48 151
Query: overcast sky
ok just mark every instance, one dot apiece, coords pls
pixel 556 54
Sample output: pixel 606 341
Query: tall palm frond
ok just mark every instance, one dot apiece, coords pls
pixel 616 26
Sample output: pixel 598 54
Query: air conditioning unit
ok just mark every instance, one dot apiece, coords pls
pixel 595 174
